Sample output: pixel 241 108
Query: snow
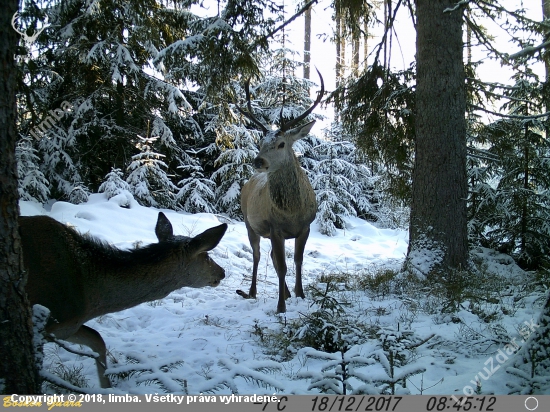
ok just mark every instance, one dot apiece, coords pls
pixel 203 340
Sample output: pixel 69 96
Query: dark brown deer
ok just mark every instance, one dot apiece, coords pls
pixel 278 201
pixel 79 278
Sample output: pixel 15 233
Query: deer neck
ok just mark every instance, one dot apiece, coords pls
pixel 286 186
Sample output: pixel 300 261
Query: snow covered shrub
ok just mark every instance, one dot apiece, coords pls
pixel 396 356
pixel 113 184
pixel 337 375
pixel 79 194
pixel 531 365
pixel 328 327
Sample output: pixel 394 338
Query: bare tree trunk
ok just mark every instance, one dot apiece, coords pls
pixel 438 223
pixel 365 42
pixel 18 371
pixel 355 46
pixel 307 43
pixel 342 40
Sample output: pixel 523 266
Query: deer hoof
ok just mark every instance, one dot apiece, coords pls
pixel 244 294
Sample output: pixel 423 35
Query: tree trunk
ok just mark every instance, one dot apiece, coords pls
pixel 307 43
pixel 438 223
pixel 546 58
pixel 365 43
pixel 355 45
pixel 18 371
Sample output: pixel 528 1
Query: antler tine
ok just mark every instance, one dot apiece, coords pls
pixel 249 115
pixel 294 122
pixel 14 17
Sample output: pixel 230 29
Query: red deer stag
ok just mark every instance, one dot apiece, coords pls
pixel 79 278
pixel 278 201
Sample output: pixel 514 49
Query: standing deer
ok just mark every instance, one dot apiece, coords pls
pixel 79 278
pixel 278 201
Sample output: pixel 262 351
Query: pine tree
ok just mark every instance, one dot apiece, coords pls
pixel 121 65
pixel 234 167
pixel 32 183
pixel 343 186
pixel 510 200
pixel 147 178
pixel 196 193
pixel 114 184
pixel 333 177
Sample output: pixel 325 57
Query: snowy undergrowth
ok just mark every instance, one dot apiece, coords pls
pixel 363 328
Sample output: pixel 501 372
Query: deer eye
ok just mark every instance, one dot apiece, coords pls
pixel 281 145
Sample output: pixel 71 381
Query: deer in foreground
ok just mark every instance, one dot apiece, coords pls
pixel 278 201
pixel 79 278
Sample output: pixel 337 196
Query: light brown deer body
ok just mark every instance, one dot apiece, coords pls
pixel 79 278
pixel 278 201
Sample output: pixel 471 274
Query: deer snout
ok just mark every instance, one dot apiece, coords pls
pixel 259 163
pixel 219 276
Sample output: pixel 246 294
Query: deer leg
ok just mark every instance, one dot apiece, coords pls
pixel 299 247
pixel 254 240
pixel 91 338
pixel 287 292
pixel 279 261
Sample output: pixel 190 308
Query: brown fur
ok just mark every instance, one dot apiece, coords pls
pixel 79 278
pixel 279 203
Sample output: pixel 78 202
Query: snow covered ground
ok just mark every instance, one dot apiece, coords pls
pixel 198 340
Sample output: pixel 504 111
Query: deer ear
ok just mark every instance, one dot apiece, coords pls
pixel 163 229
pixel 299 132
pixel 207 240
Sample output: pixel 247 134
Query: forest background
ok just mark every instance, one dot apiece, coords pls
pixel 140 95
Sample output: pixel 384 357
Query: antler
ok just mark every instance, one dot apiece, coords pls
pixel 294 122
pixel 249 115
pixel 15 16
pixel 28 39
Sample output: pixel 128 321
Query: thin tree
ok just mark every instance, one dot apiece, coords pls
pixel 438 224
pixel 307 43
pixel 546 58
pixel 18 371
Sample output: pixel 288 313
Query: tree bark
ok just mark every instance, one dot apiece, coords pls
pixel 355 45
pixel 18 370
pixel 438 223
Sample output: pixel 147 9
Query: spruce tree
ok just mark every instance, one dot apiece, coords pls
pixel 32 183
pixel 147 177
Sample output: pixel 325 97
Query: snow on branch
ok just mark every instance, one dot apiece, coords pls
pixel 456 6
pixel 529 50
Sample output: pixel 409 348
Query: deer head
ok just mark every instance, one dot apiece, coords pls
pixel 79 278
pixel 276 145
